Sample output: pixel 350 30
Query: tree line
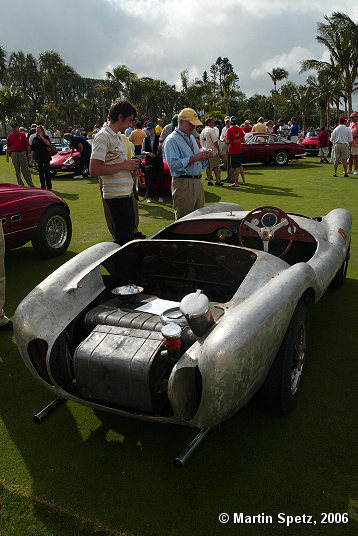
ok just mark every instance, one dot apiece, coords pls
pixel 47 90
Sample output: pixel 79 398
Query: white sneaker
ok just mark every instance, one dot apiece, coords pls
pixel 349 171
pixel 355 172
pixel 78 177
pixel 149 200
pixel 160 200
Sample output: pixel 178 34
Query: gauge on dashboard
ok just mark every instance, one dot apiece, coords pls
pixel 255 221
pixel 224 232
pixel 269 219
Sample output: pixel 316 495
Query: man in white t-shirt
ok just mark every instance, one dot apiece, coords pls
pixel 209 141
pixel 341 139
pixel 111 161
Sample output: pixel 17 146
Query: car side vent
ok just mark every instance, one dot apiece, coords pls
pixel 37 350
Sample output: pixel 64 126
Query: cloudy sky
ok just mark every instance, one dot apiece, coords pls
pixel 161 38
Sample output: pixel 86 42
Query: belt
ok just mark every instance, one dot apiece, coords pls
pixel 23 151
pixel 188 177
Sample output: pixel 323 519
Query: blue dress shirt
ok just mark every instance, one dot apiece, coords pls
pixel 177 153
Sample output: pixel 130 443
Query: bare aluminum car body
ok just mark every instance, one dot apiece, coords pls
pixel 252 294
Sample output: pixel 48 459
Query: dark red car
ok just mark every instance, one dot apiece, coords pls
pixel 37 215
pixel 265 148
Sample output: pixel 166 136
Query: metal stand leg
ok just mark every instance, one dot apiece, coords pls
pixel 183 457
pixel 41 415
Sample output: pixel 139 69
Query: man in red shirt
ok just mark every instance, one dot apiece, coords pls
pixel 248 126
pixel 235 137
pixel 323 145
pixel 18 144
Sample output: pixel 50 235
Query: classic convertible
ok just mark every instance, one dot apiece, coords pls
pixel 186 326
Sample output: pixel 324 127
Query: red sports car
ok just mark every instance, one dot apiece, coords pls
pixel 37 215
pixel 65 163
pixel 310 142
pixel 265 148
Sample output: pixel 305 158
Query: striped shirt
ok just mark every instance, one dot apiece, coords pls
pixel 112 148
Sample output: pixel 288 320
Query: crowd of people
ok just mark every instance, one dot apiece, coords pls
pixel 343 140
pixel 188 146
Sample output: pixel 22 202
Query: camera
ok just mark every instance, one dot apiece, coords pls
pixel 141 165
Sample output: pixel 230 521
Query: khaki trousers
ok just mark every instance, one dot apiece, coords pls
pixel 224 153
pixel 3 318
pixel 188 195
pixel 19 160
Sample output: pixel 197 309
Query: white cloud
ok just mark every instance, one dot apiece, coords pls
pixel 161 38
pixel 288 60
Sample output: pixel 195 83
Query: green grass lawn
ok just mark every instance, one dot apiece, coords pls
pixel 88 474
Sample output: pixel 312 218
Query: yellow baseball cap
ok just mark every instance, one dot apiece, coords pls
pixel 188 114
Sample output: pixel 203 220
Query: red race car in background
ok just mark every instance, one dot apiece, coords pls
pixel 37 215
pixel 63 162
pixel 310 142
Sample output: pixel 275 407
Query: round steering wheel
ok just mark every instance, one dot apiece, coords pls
pixel 266 224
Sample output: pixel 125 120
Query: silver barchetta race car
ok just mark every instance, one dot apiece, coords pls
pixel 186 326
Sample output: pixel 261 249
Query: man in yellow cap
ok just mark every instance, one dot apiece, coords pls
pixel 186 161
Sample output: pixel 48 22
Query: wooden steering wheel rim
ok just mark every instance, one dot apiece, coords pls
pixel 290 221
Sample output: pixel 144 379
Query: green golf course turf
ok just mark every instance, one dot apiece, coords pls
pixel 91 474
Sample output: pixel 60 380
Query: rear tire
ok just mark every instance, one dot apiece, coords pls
pixel 281 158
pixel 284 380
pixel 53 232
pixel 340 277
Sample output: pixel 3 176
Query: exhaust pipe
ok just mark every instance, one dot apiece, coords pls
pixel 183 457
pixel 41 415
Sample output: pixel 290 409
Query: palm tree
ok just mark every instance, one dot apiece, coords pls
pixel 106 93
pixel 229 86
pixel 66 75
pixel 22 71
pixel 121 79
pixel 340 35
pixel 192 93
pixel 278 73
pixel 51 65
pixel 11 101
pixel 325 90
pixel 2 64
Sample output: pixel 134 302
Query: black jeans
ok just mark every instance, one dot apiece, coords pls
pixel 83 161
pixel 45 174
pixel 154 173
pixel 122 218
